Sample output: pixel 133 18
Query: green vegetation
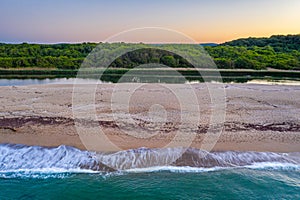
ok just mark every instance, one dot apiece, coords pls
pixel 240 57
pixel 59 56
pixel 279 52
pixel 279 43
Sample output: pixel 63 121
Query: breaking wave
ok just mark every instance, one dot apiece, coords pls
pixel 31 161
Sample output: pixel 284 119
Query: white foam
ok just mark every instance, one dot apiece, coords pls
pixel 35 162
pixel 50 171
pixel 46 173
pixel 187 169
pixel 273 166
pixel 19 157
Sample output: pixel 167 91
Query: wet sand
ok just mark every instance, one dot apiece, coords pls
pixel 258 117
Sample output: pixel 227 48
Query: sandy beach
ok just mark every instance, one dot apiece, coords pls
pixel 258 117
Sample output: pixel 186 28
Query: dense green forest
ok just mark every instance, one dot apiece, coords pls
pixel 280 43
pixel 280 52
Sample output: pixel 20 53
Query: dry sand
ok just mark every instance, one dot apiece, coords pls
pixel 258 117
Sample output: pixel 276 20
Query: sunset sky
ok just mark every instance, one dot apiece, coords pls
pixel 54 21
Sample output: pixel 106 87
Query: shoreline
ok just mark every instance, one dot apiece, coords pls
pixel 41 115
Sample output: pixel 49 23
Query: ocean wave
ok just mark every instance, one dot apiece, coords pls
pixel 30 161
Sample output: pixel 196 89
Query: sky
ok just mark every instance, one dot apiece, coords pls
pixel 217 21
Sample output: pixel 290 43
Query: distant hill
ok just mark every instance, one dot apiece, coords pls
pixel 280 43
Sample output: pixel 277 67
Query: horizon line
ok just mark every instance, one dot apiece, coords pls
pixel 98 42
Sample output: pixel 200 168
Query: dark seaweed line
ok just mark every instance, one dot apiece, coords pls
pixel 17 122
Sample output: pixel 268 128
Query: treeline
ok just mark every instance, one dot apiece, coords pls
pixel 71 56
pixel 280 52
pixel 279 43
pixel 253 57
pixel 60 56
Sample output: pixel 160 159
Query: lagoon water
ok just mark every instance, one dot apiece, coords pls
pixel 29 81
pixel 28 172
pixel 33 81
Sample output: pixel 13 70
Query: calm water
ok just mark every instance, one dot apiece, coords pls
pixel 28 81
pixel 19 82
pixel 42 173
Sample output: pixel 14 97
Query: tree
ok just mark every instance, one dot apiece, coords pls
pixel 169 61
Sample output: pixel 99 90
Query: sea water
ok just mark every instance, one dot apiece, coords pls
pixel 32 172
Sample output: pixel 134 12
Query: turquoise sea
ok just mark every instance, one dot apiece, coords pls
pixel 28 172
